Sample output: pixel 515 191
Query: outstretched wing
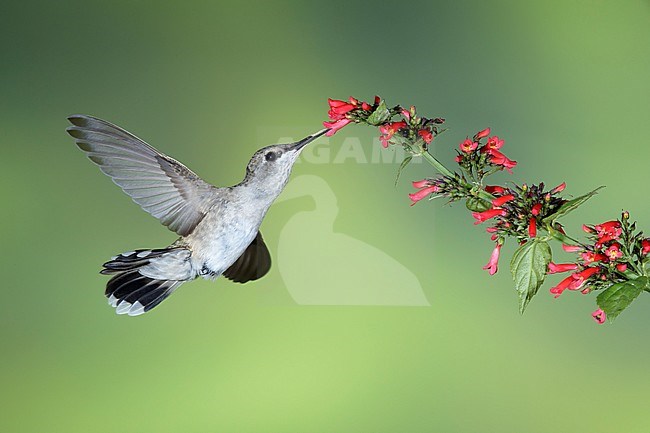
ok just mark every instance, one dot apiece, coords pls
pixel 161 185
pixel 254 263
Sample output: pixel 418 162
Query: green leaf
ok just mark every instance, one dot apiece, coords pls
pixel 528 267
pixel 476 204
pixel 570 206
pixel 404 163
pixel 619 296
pixel 380 115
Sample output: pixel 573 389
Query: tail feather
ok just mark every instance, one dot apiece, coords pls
pixel 131 292
pixel 131 260
pixel 134 294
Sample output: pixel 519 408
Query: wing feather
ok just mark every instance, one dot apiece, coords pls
pixel 162 186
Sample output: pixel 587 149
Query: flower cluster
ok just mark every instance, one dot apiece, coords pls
pixel 517 212
pixel 478 160
pixel 615 261
pixel 410 130
pixel 614 254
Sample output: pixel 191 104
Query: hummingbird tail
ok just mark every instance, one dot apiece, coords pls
pixel 132 292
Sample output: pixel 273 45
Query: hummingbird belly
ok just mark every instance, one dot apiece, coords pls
pixel 215 247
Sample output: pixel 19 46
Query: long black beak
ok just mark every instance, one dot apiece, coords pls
pixel 305 141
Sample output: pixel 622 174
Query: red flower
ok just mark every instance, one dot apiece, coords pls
pixel 579 278
pixel 406 113
pixel 486 215
pixel 621 267
pixel 493 265
pixel 599 316
pixel 502 200
pixel 420 183
pixel 495 189
pixel 458 158
pixel 482 134
pixel 365 106
pixel 499 158
pixel 426 135
pixel 614 252
pixel 335 126
pixel 388 130
pixel 468 146
pixel 424 192
pixel 610 229
pixel 338 109
pixel 559 188
pixel 353 101
pixel 561 286
pixel 494 143
pixel 554 268
pixel 571 248
pixel 536 209
pixel 645 246
pixel 532 227
pixel 590 257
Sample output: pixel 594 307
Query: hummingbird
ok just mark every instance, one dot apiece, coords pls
pixel 218 226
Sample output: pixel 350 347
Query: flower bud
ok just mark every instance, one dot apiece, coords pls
pixel 482 134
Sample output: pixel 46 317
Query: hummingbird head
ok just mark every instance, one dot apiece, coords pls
pixel 269 168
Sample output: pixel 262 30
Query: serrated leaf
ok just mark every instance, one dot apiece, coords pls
pixel 404 163
pixel 528 267
pixel 380 115
pixel 476 204
pixel 619 296
pixel 570 206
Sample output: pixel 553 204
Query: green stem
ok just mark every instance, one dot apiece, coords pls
pixel 446 172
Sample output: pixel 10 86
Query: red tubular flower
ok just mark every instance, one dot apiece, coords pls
pixel 614 252
pixel 468 146
pixel 482 134
pixel 502 200
pixel 426 135
pixel 590 257
pixel 494 143
pixel 335 126
pixel 599 316
pixel 561 286
pixel 499 158
pixel 365 106
pixel 388 130
pixel 579 278
pixel 609 228
pixel 495 189
pixel 486 215
pixel 493 265
pixel 559 188
pixel 420 183
pixel 532 227
pixel 621 267
pixel 537 208
pixel 406 113
pixel 645 246
pixel 338 108
pixel 458 158
pixel 353 101
pixel 571 248
pixel 554 268
pixel 424 192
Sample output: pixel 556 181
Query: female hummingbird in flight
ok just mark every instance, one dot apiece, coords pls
pixel 218 226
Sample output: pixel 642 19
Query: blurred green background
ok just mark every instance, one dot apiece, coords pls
pixel 564 83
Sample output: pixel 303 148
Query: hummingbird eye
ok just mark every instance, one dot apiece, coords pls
pixel 271 156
